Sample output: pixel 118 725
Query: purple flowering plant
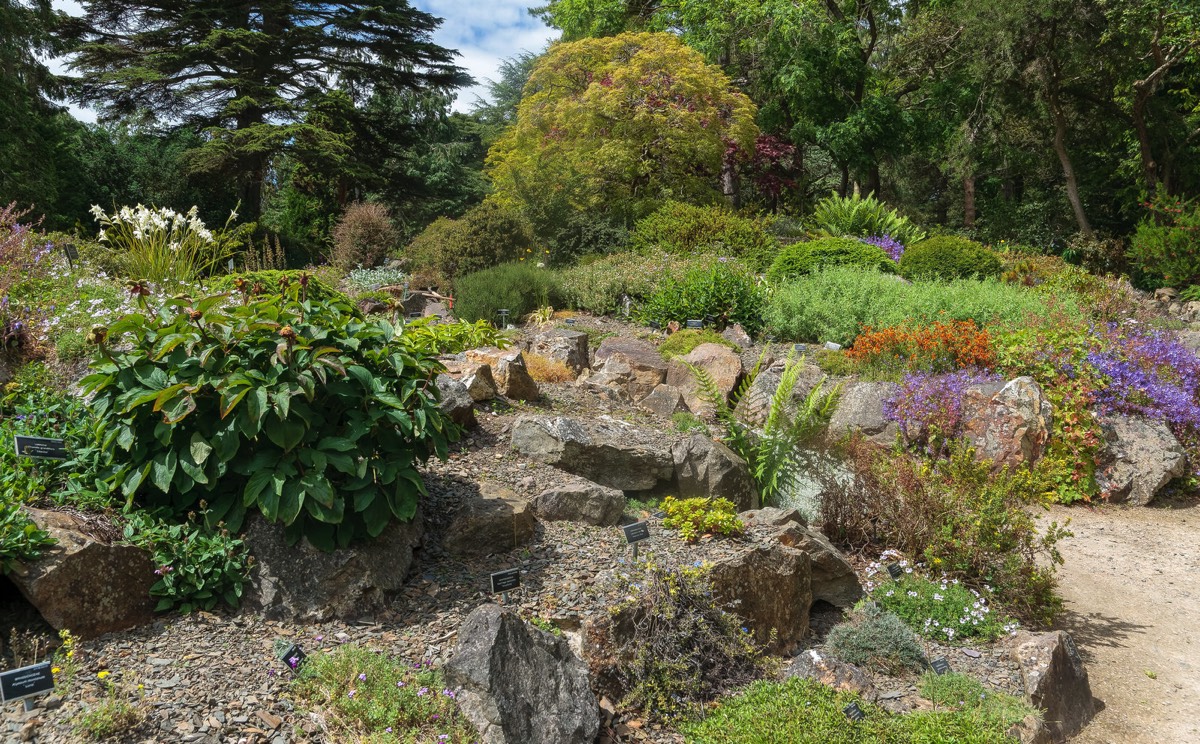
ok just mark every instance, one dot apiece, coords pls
pixel 928 407
pixel 894 248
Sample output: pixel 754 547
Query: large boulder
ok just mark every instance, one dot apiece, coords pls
pixel 455 401
pixel 590 503
pixel 597 450
pixel 769 586
pixel 833 578
pixel 635 363
pixel 665 401
pixel 562 345
pixel 1008 427
pixel 83 584
pixel 508 370
pixel 475 376
pixel 300 583
pixel 1139 458
pixel 520 685
pixel 1056 680
pixel 721 363
pixel 494 522
pixel 860 411
pixel 708 469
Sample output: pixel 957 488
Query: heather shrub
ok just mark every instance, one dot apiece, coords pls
pixel 1166 247
pixel 718 288
pixel 944 611
pixel 363 236
pixel 861 217
pixel 517 287
pixel 801 259
pixel 679 228
pixel 949 257
pixel 682 342
pixel 835 304
pixel 486 236
pixel 877 640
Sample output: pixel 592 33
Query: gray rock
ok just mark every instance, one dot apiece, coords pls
pixel 708 469
pixel 833 578
pixel 770 516
pixel 480 384
pixel 737 335
pixel 85 585
pixel 521 685
pixel 1139 458
pixel 495 522
pixel 596 450
pixel 508 370
pixel 299 583
pixel 665 401
pixel 561 345
pixel 1008 427
pixel 1031 730
pixel 769 587
pixel 720 362
pixel 755 405
pixel 456 402
pixel 1056 680
pixel 860 410
pixel 1189 339
pixel 635 360
pixel 586 502
pixel 828 671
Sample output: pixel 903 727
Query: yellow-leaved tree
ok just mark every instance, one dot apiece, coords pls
pixel 619 125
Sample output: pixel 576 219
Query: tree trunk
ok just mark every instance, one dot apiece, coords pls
pixel 729 182
pixel 1149 167
pixel 1064 158
pixel 873 180
pixel 969 200
pixel 844 187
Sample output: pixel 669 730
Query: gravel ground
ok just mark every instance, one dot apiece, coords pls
pixel 212 677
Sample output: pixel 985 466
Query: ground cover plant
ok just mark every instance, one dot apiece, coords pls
pixel 938 347
pixel 945 611
pixel 684 341
pixel 701 516
pixel 367 696
pixel 876 639
pixel 517 287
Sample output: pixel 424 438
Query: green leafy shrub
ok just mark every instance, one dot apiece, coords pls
pixel 20 538
pixel 579 235
pixel 835 304
pixel 686 422
pixel 801 259
pixel 486 236
pixel 959 517
pixel 297 408
pixel 682 342
pixel 878 640
pixel 671 650
pixel 945 611
pixel 862 217
pixel 517 287
pixel 949 257
pixel 1166 247
pixel 432 338
pixel 701 516
pixel 269 283
pixel 803 711
pixel 363 236
pixel 722 289
pixel 601 286
pixel 679 228
pixel 197 565
pixel 362 695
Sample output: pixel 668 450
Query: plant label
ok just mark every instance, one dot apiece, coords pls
pixel 659 514
pixel 853 712
pixel 72 251
pixel 695 324
pixel 655 325
pixel 570 321
pixel 940 665
pixel 636 532
pixel 831 346
pixel 505 581
pixel 415 316
pixel 40 447
pixel 294 657
pixel 26 682
pixel 895 571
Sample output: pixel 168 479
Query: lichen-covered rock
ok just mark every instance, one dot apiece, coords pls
pixel 708 469
pixel 562 345
pixel 721 363
pixel 860 411
pixel 590 503
pixel 833 578
pixel 300 583
pixel 596 450
pixel 828 671
pixel 1056 681
pixel 665 401
pixel 1008 427
pixel 769 587
pixel 755 405
pixel 520 685
pixel 83 584
pixel 1139 458
pixel 494 522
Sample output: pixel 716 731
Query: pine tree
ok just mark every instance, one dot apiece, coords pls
pixel 246 73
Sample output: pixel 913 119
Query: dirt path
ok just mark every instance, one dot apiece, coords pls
pixel 1132 588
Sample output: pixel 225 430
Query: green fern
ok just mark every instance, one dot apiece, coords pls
pixel 862 217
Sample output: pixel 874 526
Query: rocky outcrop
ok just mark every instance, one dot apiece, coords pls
pixel 509 372
pixel 665 401
pixel 494 522
pixel 520 685
pixel 769 587
pixel 721 363
pixel 300 583
pixel 828 671
pixel 631 364
pixel 455 401
pixel 586 502
pixel 833 578
pixel 737 336
pixel 1056 680
pixel 770 516
pixel 562 345
pixel 860 411
pixel 1008 427
pixel 83 584
pixel 708 469
pixel 475 376
pixel 598 451
pixel 1139 458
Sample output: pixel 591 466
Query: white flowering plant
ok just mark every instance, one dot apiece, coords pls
pixel 160 245
pixel 943 610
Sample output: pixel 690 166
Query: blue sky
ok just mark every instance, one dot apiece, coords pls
pixel 483 31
